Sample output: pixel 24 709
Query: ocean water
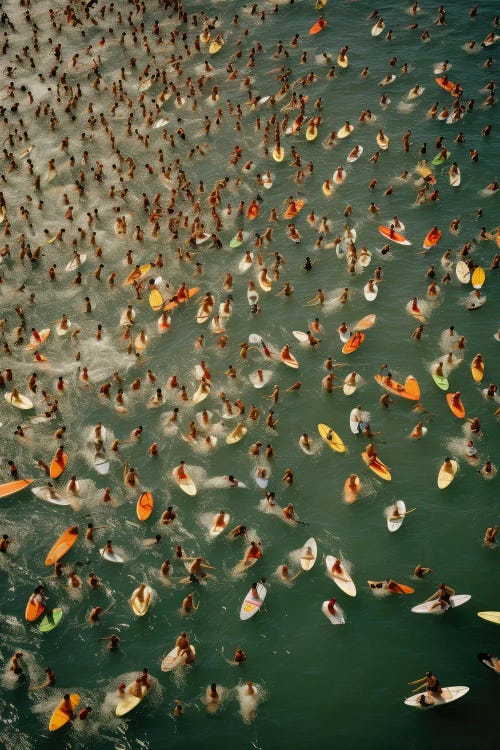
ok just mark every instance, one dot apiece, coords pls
pixel 316 681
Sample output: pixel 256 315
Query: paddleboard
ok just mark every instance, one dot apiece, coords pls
pixel 10 488
pixel 445 478
pixel 21 402
pixel 338 618
pixel 140 608
pixel 250 605
pixel 448 695
pixel 426 607
pixel 145 505
pixel 307 563
pixel 331 438
pixel 62 545
pixel 50 621
pixel 343 580
pixel 59 718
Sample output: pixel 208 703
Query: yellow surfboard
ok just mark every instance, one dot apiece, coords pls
pixel 478 277
pixel 155 299
pixel 331 438
pixel 59 718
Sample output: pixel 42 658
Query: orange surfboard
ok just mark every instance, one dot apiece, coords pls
pixel 11 487
pixel 458 411
pixel 394 237
pixel 409 390
pixel 432 238
pixel 354 343
pixel 145 505
pixel 33 611
pixel 175 301
pixel 62 545
pixel 318 26
pixel 446 85
pixel 293 209
pixel 57 467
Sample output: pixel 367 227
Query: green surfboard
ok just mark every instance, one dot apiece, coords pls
pixel 50 621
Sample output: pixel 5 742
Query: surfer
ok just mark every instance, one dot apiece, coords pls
pixel 490 535
pixel 442 597
pixel 421 571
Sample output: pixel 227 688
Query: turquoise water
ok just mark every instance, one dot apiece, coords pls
pixel 316 681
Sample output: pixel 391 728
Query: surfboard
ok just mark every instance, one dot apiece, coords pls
pixel 101 464
pixel 448 695
pixel 377 28
pixel 425 608
pixel 140 608
pixel 401 588
pixel 172 660
pixel 57 466
pixel 51 620
pixel 445 84
pixel 76 262
pixel 490 616
pixel 459 410
pixel 353 343
pixel 155 299
pixel 216 530
pixel 318 26
pixel 432 238
pixel 475 303
pixel 21 402
pixel 250 605
pixel 377 466
pixel 441 381
pixel 62 545
pixel 462 271
pixel 477 373
pixel 33 610
pixel 137 274
pixel 301 336
pixel 409 390
pixel 278 153
pixel 307 563
pixel 59 718
pixel 311 132
pixel 395 524
pixel 215 47
pixel 343 580
pixel 171 304
pixel 293 209
pixel 338 618
pixel 186 485
pixel 43 494
pixel 439 159
pixel 128 702
pixel 339 178
pixel 367 322
pixel 445 478
pixel 478 277
pixel 114 558
pixel 331 438
pixel 34 344
pixel 145 505
pixel 455 178
pixel 350 494
pixel 289 361
pixel 396 237
pixel 370 296
pixel 237 434
pixel 383 141
pixel 348 388
pixel 10 488
pixel 487 660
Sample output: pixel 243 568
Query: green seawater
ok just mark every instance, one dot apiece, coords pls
pixel 318 683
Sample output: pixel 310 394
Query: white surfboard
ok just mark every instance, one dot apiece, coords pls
pixel 140 608
pixel 426 607
pixel 395 524
pixel 128 701
pixel 101 464
pixel 370 296
pixel 186 485
pixel 250 605
pixel 306 563
pixel 171 660
pixel 336 619
pixel 115 557
pixel 344 580
pixel 44 494
pixel 216 530
pixel 448 695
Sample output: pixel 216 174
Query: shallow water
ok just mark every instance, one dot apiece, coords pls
pixel 306 669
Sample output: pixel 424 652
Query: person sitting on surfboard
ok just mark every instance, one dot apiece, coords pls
pixel 254 552
pixel 442 596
